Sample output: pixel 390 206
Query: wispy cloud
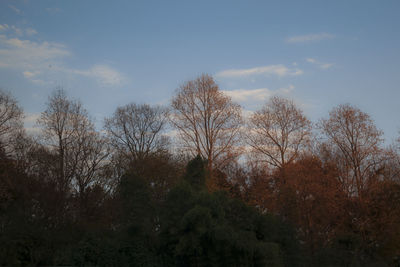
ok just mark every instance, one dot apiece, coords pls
pixel 310 38
pixel 251 97
pixel 106 75
pixel 3 27
pixel 326 66
pixel 40 62
pixel 30 74
pixel 277 70
pixel 31 118
pixel 319 64
pixel 53 10
pixel 30 31
pixel 311 60
pixel 16 10
pixel 17 31
pixel 243 95
pixel 28 55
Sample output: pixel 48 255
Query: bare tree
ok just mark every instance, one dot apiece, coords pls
pixel 57 127
pixel 354 136
pixel 392 162
pixel 279 131
pixel 68 130
pixel 207 120
pixel 10 119
pixel 85 155
pixel 135 130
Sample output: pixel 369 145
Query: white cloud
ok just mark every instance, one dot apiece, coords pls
pixel 18 31
pixel 311 60
pixel 244 95
pixel 286 90
pixel 310 38
pixel 247 113
pixel 29 55
pixel 253 96
pixel 253 99
pixel 29 74
pixel 31 118
pixel 326 66
pixel 16 10
pixel 41 62
pixel 30 31
pixel 278 70
pixel 106 75
pixel 3 27
pixel 42 82
pixel 319 64
pixel 53 10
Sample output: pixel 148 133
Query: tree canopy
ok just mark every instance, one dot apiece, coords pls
pixel 299 194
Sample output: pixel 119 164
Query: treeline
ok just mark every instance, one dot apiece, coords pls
pixel 197 184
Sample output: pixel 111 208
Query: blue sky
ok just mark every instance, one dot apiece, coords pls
pixel 110 53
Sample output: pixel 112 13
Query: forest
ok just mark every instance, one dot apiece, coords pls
pixel 196 183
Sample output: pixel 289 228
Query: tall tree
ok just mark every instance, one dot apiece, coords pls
pixel 68 130
pixel 312 199
pixel 207 120
pixel 10 119
pixel 135 130
pixel 195 173
pixel 279 131
pixel 85 156
pixel 354 136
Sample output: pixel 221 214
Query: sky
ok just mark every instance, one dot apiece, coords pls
pixel 111 53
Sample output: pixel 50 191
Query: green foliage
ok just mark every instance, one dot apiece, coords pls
pixel 134 196
pixel 210 229
pixel 196 173
pixel 188 226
